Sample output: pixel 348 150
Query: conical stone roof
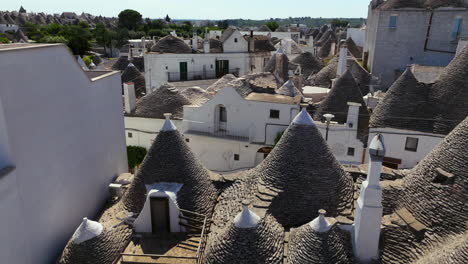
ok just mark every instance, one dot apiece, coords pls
pixel 131 74
pixel 435 190
pixel 121 63
pixel 450 93
pixel 166 99
pixel 309 63
pixel 289 89
pixel 405 105
pixel 325 48
pixel 256 245
pixel 171 44
pixel 170 160
pixel 353 48
pixel 345 90
pixel 307 245
pixel 304 173
pixel 325 75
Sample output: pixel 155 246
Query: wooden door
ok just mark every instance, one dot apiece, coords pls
pixel 222 68
pixel 160 214
pixel 183 71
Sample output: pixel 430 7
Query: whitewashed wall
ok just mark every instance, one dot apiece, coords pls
pixel 158 65
pixel 230 46
pixel 144 130
pixel 8 27
pixel 66 137
pixel 395 140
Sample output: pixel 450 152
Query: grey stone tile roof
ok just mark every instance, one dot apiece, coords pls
pixel 258 245
pixel 309 246
pixel 271 66
pixel 121 63
pixel 309 63
pixel 261 43
pixel 170 160
pixel 301 170
pixel 325 75
pixel 411 105
pixel 20 37
pixel 434 200
pixel 104 248
pixel 264 28
pixel 131 74
pixel 428 4
pixel 221 83
pixel 345 90
pixel 450 94
pixel 165 99
pixel 227 33
pixel 353 48
pixel 171 44
pixel 2 19
pixel 404 106
pixel 216 46
pixel 196 95
pixel 325 48
pixel 289 89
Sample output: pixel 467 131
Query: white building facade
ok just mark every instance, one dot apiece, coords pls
pixel 405 148
pixel 61 144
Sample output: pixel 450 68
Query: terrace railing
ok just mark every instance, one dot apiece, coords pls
pixel 196 75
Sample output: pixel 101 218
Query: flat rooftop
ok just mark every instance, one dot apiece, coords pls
pixel 16 46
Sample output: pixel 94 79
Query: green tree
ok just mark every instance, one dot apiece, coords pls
pixel 272 25
pixel 78 39
pixel 168 19
pixel 87 60
pixel 53 39
pixel 129 19
pixel 135 156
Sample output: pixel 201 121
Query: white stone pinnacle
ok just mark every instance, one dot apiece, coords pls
pixel 246 218
pixel 87 230
pixel 320 224
pixel 168 125
pixel 303 118
pixel 130 65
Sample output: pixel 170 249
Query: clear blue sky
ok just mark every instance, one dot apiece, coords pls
pixel 200 9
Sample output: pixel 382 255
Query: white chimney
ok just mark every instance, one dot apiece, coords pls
pixel 353 114
pixel 195 41
pixel 206 43
pixel 143 44
pixel 343 57
pixel 129 97
pixel 368 215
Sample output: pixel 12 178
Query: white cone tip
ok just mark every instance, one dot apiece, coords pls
pixel 303 118
pixel 246 219
pixel 87 230
pixel 320 224
pixel 168 125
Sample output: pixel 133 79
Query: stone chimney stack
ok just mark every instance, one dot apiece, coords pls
pixel 369 209
pixel 129 97
pixel 206 43
pixel 353 114
pixel 251 43
pixel 342 59
pixel 143 45
pixel 195 40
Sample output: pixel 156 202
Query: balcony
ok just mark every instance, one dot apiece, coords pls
pixel 239 135
pixel 197 75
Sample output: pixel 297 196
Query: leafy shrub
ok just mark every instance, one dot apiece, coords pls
pixel 4 40
pixel 87 60
pixel 135 156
